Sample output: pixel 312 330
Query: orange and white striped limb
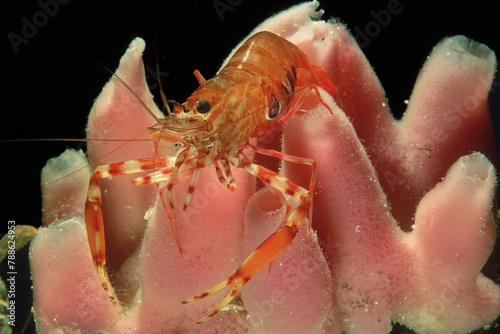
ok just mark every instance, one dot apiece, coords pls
pixel 278 241
pixel 93 211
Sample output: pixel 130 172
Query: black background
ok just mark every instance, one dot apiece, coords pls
pixel 49 85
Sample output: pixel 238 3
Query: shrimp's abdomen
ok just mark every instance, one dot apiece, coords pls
pixel 273 60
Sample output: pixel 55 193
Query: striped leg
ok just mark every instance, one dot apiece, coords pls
pixel 181 158
pixel 171 219
pixel 294 159
pixel 272 246
pixel 226 178
pixel 95 235
pixel 93 212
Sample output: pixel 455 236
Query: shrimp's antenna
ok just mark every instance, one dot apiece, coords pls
pixel 137 97
pixel 162 94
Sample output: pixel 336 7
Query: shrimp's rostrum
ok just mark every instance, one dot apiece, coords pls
pixel 263 84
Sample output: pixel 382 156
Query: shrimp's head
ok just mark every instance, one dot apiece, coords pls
pixel 182 122
pixel 233 101
pixel 227 106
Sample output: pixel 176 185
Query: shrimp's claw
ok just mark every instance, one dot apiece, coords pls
pixel 255 262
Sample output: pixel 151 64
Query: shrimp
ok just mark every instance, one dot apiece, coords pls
pixel 263 84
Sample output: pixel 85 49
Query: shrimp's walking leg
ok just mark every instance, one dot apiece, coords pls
pixel 315 76
pixel 95 235
pixel 294 159
pixel 93 213
pixel 322 79
pixel 272 246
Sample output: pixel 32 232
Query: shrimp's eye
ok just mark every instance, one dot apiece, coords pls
pixel 274 109
pixel 203 107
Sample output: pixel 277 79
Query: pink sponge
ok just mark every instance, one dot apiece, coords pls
pixel 401 228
